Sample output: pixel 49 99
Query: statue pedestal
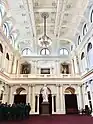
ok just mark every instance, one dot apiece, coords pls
pixel 45 108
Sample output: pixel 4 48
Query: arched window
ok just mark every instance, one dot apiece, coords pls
pixel 64 51
pixel 26 52
pixel 2 13
pixel 79 39
pixel 82 55
pixel 1 48
pixel 7 56
pixel 6 29
pixel 91 16
pixel 45 51
pixel 12 40
pixel 89 47
pixel 83 63
pixel 90 54
pixel 85 29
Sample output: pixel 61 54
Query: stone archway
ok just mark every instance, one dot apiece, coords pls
pixel 49 101
pixel 20 95
pixel 71 101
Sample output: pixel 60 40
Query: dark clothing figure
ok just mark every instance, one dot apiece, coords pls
pixel 14 112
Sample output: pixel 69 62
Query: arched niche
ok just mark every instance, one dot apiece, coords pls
pixel 69 90
pixel 64 68
pixel 21 90
pixel 48 90
pixel 25 68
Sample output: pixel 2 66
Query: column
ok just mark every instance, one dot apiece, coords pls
pixel 9 66
pixel 14 65
pixel 5 94
pixel 3 58
pixel 57 99
pixel 72 66
pixel 11 99
pixel 89 89
pixel 38 103
pixel 29 94
pixel 33 99
pixel 52 103
pixel 0 86
pixel 76 65
pixel 79 98
pixel 35 65
pixel 86 101
pixel 61 105
pixel 18 67
pixel 63 100
pixel 57 68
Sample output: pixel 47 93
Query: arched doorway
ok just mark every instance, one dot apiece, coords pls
pixel 49 101
pixel 20 96
pixel 71 101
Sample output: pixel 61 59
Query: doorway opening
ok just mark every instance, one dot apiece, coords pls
pixel 20 96
pixel 71 105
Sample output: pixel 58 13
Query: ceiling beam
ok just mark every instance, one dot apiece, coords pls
pixel 58 15
pixel 31 16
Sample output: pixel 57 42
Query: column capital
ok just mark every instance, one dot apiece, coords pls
pixel 57 85
pixel 37 94
pixel 61 85
pixel 53 95
pixel 32 85
pixel 29 85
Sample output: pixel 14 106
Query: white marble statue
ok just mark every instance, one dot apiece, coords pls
pixel 45 93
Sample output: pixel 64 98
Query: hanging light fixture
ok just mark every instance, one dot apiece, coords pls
pixel 45 41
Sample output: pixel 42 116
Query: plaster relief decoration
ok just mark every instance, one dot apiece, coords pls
pixel 64 68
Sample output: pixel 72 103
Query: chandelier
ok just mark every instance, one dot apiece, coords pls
pixel 45 41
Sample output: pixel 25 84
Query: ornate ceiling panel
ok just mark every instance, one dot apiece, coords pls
pixel 64 17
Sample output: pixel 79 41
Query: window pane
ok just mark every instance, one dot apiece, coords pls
pixel 65 52
pixel 61 52
pixel 45 51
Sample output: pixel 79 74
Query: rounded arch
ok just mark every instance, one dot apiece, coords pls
pixel 6 29
pixel 89 47
pixel 3 9
pixel 85 29
pixel 79 39
pixel 63 51
pixel 49 91
pixel 26 52
pixel 90 55
pixel 9 24
pixel 7 56
pixel 82 55
pixel 91 16
pixel 45 51
pixel 13 36
pixel 70 90
pixel 90 13
pixel 19 90
pixel 1 48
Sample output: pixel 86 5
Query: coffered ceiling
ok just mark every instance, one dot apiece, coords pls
pixel 64 18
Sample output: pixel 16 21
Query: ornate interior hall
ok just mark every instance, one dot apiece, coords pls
pixel 46 55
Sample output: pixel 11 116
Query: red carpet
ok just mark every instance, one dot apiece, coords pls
pixel 54 119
